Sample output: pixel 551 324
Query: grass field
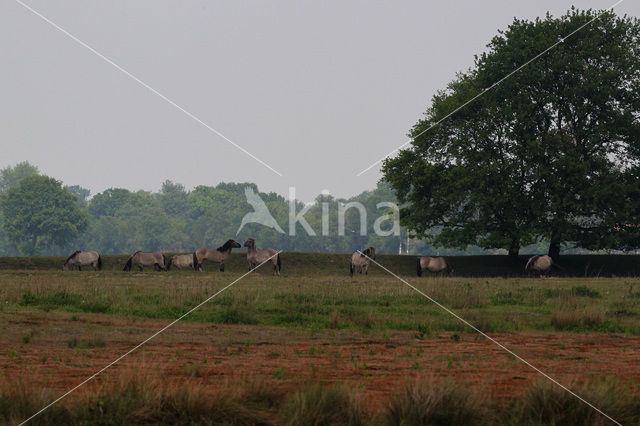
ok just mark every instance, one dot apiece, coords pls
pixel 278 348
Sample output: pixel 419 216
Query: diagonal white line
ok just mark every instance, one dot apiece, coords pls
pixel 97 373
pixel 145 85
pixel 560 41
pixel 492 340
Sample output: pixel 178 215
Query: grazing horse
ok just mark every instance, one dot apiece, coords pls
pixel 220 255
pixel 539 264
pixel 144 258
pixel 181 261
pixel 360 260
pixel 435 265
pixel 256 256
pixel 83 258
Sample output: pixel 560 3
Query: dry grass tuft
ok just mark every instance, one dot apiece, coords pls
pixel 323 405
pixel 427 402
pixel 546 403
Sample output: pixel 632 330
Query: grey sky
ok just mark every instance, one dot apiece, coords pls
pixel 318 90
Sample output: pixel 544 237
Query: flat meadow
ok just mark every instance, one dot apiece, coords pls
pixel 316 345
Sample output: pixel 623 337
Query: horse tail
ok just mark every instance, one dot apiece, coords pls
pixel 419 268
pixel 164 262
pixel 195 261
pixel 351 268
pixel 530 263
pixel 127 267
pixel 279 263
pixel 168 265
pixel 99 262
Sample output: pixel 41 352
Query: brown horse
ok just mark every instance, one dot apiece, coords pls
pixel 220 255
pixel 181 261
pixel 435 265
pixel 256 256
pixel 83 258
pixel 360 261
pixel 145 258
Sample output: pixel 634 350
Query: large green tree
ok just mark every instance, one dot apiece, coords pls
pixel 40 213
pixel 10 177
pixel 551 152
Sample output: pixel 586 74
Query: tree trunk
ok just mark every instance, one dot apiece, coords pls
pixel 513 252
pixel 554 249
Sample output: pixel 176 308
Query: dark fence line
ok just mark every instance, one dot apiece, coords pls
pixel 295 263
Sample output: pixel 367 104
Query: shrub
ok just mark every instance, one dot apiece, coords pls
pixel 584 321
pixel 547 403
pixel 323 405
pixel 425 402
pixel 235 316
pixel 585 291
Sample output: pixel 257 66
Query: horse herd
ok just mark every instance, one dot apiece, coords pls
pixel 158 260
pixel 359 261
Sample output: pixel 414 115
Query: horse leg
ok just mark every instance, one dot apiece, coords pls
pixel 221 266
pixel 79 268
pixel 140 268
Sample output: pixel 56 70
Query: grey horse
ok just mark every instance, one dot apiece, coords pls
pixel 83 258
pixel 256 256
pixel 181 261
pixel 360 261
pixel 142 258
pixel 220 255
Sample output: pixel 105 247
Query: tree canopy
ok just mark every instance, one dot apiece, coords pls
pixel 550 153
pixel 39 212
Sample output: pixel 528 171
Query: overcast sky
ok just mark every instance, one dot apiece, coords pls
pixel 317 90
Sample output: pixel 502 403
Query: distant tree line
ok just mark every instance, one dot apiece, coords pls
pixel 40 216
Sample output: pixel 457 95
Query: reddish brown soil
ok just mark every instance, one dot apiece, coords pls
pixel 373 362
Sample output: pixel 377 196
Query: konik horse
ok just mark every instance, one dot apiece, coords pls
pixel 360 261
pixel 83 258
pixel 539 264
pixel 220 255
pixel 434 265
pixel 142 258
pixel 256 256
pixel 181 261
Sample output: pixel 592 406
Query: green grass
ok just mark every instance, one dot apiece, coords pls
pixel 325 299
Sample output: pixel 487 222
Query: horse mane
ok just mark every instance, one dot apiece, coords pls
pixel 225 246
pixel 72 256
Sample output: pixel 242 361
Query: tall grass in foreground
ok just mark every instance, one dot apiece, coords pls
pixel 426 402
pixel 143 397
pixel 548 404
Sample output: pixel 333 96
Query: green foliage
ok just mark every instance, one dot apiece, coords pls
pixel 550 153
pixel 583 290
pixel 39 213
